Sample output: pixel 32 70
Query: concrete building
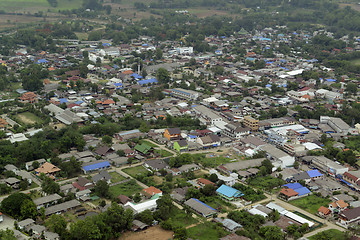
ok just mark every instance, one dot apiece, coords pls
pixel 251 123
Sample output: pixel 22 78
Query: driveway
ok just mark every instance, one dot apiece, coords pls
pixel 7 223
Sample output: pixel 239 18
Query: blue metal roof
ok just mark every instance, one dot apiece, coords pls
pixel 229 191
pixel 331 80
pixel 42 61
pixel 96 166
pixel 147 81
pixel 63 100
pixel 293 185
pixel 79 102
pixel 135 75
pixel 314 173
pixel 302 191
pixel 347 183
pixel 204 204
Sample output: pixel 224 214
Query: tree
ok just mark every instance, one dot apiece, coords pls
pixel 158 54
pixel 351 88
pixel 145 217
pixel 163 75
pixel 35 164
pixel 57 223
pixel 107 139
pixel 208 190
pixel 28 209
pixel 7 234
pixel 49 186
pixel 137 197
pixel 121 153
pixel 271 233
pixel 102 188
pixel 213 177
pixel 164 205
pixel 85 230
pixel 13 203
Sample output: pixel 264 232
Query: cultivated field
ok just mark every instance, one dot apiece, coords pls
pixel 153 233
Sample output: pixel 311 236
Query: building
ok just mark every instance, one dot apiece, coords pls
pixel 28 97
pixel 140 207
pixel 229 193
pixel 338 125
pixel 208 116
pixel 48 169
pixel 228 224
pixel 251 123
pixel 349 217
pixel 102 175
pixel 47 201
pixel 209 141
pixel 228 180
pixel 200 207
pixel 185 94
pixel 236 131
pixel 326 165
pixel 278 157
pixel 94 166
pixel 181 146
pixel 62 207
pixel 323 211
pixel 156 164
pixel 151 191
pixel 172 133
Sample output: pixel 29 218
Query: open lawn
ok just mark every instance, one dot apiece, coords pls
pixel 162 153
pixel 148 143
pixel 206 231
pixel 127 188
pixel 268 183
pixel 332 234
pixel 180 219
pixel 310 203
pixel 355 62
pixel 32 6
pixel 116 177
pixel 28 118
pixel 152 233
pixel 214 161
pixel 133 171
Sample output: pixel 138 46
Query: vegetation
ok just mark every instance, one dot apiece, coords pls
pixel 128 188
pixel 267 183
pixel 206 231
pixel 330 234
pixel 311 203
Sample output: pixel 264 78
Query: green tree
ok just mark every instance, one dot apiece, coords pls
pixel 49 186
pixel 13 203
pixel 84 230
pixel 57 223
pixel 107 139
pixel 102 188
pixel 28 209
pixel 7 234
pixel 271 233
pixel 163 75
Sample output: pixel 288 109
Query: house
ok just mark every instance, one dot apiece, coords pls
pixel 138 225
pixel 37 230
pixel 83 183
pixel 209 141
pixel 251 123
pixel 228 180
pixel 102 175
pixel 323 211
pixel 228 193
pixel 65 189
pixel 124 199
pixel 140 207
pixel 29 165
pixel 83 195
pixel 47 201
pixel 181 145
pixel 94 166
pixel 288 193
pixel 203 182
pixel 172 133
pixel 28 97
pixel 179 194
pixel 13 182
pixel 200 207
pixel 3 124
pixel 143 148
pixel 314 174
pixel 62 207
pixel 156 164
pixel 349 216
pixel 228 224
pixel 12 168
pixel 48 169
pixel 151 191
pixel 337 206
pixel 189 167
pixel 103 150
pixel 26 224
pixel 235 130
pixel 51 235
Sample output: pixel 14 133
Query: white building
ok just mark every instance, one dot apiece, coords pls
pixel 228 180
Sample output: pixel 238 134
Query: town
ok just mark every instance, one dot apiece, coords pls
pixel 250 137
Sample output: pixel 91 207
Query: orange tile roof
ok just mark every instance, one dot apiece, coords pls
pixel 47 168
pixel 128 72
pixel 342 204
pixel 205 181
pixel 289 192
pixel 108 101
pixel 152 190
pixel 51 69
pixel 324 210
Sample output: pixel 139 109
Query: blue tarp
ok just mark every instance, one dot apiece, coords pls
pixel 347 183
pixel 147 81
pixel 116 66
pixel 330 80
pixel 268 85
pixel 42 61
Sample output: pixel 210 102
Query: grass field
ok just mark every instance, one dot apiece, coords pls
pixel 133 171
pixel 332 234
pixel 206 231
pixel 148 143
pixel 28 118
pixel 310 203
pixel 215 161
pixel 128 189
pixel 163 153
pixel 180 219
pixel 116 177
pixel 355 62
pixel 25 6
